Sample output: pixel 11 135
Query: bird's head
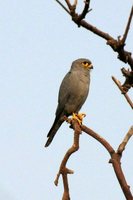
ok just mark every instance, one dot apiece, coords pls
pixel 82 63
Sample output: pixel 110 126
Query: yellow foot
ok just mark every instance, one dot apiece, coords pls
pixel 79 117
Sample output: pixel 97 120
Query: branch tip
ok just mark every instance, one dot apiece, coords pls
pixel 122 146
pixel 75 3
pixel 127 27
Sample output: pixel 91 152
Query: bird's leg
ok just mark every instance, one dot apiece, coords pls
pixel 68 120
pixel 79 117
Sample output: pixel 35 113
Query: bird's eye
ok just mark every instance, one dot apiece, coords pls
pixel 85 64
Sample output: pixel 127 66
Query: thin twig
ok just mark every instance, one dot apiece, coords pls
pixel 125 95
pixel 63 6
pixel 68 4
pixel 122 146
pixel 127 27
pixel 85 10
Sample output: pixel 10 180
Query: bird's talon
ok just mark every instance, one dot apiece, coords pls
pixel 79 117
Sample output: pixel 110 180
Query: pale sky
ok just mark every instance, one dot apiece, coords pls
pixel 38 42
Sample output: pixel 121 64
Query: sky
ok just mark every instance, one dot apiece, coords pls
pixel 38 42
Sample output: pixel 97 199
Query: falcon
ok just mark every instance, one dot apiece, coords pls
pixel 73 92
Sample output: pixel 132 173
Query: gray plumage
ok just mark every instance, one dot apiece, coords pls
pixel 72 94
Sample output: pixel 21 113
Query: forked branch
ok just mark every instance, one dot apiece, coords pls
pixel 116 44
pixel 115 158
pixel 64 171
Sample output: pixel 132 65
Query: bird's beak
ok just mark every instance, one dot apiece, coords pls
pixel 90 66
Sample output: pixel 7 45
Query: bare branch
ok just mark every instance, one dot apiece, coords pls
pixel 115 160
pixel 125 95
pixel 71 7
pixel 63 6
pixel 90 132
pixel 122 146
pixel 127 27
pixel 63 170
pixel 75 3
pixel 115 44
pixel 85 10
pixel 68 4
pixel 118 46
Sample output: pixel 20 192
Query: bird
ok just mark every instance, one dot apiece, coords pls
pixel 73 92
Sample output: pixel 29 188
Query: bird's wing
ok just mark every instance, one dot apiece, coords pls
pixel 72 94
pixel 60 112
pixel 64 94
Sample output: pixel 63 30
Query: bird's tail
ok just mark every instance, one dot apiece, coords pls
pixel 56 125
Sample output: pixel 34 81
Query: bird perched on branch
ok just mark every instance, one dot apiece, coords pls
pixel 72 93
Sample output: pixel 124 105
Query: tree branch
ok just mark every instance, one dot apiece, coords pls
pixel 116 44
pixel 100 139
pixel 115 160
pixel 85 10
pixel 63 6
pixel 64 171
pixel 121 88
pixel 129 80
pixel 127 27
pixel 122 146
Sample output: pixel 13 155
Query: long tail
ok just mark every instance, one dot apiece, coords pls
pixel 56 125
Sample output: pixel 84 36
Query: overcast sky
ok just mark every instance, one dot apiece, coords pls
pixel 38 42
